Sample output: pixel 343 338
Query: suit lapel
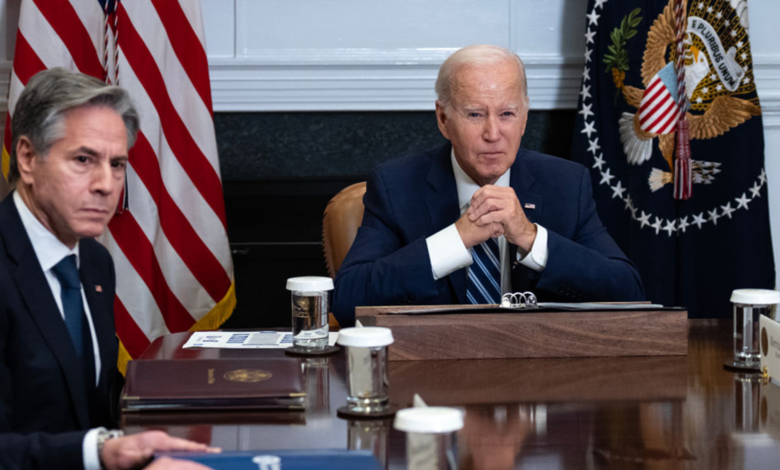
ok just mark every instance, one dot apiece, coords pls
pixel 522 181
pixel 441 197
pixel 35 292
pixel 93 290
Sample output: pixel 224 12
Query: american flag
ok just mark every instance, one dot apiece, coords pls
pixel 170 246
pixel 658 111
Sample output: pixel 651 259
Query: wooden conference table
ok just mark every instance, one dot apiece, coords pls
pixel 591 413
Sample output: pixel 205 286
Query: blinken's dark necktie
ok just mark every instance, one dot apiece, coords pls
pixel 68 275
pixel 78 326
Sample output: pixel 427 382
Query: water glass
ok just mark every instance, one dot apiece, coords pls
pixel 749 305
pixel 310 311
pixel 431 436
pixel 367 368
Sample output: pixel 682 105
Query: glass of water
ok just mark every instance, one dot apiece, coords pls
pixel 431 436
pixel 367 368
pixel 310 311
pixel 749 305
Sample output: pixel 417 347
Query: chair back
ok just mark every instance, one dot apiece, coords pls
pixel 340 223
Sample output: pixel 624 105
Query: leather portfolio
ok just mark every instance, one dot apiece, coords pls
pixel 204 384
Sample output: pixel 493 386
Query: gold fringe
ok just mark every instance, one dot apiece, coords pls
pixel 213 320
pixel 6 165
pixel 220 313
pixel 123 359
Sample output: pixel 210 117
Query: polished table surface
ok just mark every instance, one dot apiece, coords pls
pixel 631 412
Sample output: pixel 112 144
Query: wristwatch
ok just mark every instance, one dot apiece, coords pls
pixel 102 436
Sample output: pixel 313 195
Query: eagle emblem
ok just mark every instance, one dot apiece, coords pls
pixel 247 375
pixel 717 72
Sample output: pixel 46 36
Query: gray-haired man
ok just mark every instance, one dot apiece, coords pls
pixel 58 349
pixel 479 216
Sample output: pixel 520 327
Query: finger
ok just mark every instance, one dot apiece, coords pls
pixel 176 443
pixel 495 217
pixel 486 206
pixel 161 441
pixel 493 192
pixel 479 197
pixel 491 230
pixel 496 197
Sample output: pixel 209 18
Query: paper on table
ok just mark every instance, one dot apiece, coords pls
pixel 245 339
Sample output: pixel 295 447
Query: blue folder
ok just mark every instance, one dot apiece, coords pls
pixel 284 460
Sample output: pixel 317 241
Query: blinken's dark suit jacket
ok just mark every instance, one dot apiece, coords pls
pixel 42 389
pixel 411 198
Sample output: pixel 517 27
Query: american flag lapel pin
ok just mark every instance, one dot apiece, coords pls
pixel 529 205
pixel 98 288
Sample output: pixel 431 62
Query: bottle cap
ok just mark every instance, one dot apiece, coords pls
pixel 755 296
pixel 365 337
pixel 309 283
pixel 430 419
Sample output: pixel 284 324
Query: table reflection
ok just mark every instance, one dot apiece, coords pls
pixel 370 434
pixel 316 379
pixel 493 435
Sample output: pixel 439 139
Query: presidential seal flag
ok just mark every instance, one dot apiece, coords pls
pixel 669 123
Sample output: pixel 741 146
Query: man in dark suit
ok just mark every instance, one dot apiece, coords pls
pixel 58 349
pixel 480 217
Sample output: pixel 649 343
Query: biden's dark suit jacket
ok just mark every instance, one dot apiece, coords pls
pixel 411 198
pixel 45 405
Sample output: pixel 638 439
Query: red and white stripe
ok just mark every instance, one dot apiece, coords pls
pixel 658 112
pixel 170 248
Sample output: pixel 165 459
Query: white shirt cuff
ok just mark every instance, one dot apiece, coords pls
pixel 447 252
pixel 89 449
pixel 536 259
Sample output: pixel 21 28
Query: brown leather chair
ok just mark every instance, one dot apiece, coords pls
pixel 342 217
pixel 340 222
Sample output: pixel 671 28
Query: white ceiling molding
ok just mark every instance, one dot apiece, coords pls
pixel 370 82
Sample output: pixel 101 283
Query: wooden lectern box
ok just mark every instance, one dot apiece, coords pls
pixel 524 335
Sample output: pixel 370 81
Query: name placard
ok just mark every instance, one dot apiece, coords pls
pixel 770 348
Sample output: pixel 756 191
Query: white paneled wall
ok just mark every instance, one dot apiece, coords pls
pixel 298 55
pixel 766 60
pixel 380 55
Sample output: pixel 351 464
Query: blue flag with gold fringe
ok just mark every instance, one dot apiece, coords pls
pixel 690 252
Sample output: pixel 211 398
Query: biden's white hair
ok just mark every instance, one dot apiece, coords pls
pixel 476 55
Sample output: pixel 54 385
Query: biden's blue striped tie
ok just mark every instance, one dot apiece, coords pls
pixel 484 284
pixel 68 275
